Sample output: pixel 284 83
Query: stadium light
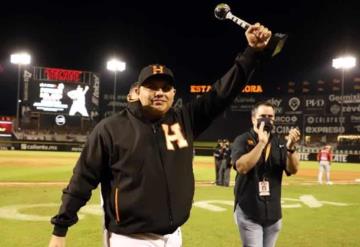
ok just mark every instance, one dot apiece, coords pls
pixel 115 65
pixel 19 59
pixel 343 63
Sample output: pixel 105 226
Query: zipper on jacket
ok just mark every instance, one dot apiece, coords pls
pixel 171 221
pixel 116 202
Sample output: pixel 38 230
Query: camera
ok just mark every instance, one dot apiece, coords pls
pixel 268 126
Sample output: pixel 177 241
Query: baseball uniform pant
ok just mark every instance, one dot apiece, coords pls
pixel 146 240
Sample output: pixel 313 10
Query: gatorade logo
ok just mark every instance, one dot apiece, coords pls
pixel 175 137
pixel 157 69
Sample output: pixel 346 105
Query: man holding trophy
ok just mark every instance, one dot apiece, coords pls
pixel 146 205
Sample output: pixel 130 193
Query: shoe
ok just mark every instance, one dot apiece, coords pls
pixel 329 183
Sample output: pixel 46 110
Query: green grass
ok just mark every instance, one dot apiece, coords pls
pixel 205 144
pixel 31 166
pixel 325 226
pixel 334 166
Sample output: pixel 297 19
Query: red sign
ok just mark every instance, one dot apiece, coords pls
pixel 6 118
pixel 5 127
pixel 62 75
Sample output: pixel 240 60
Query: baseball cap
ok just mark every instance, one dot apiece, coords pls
pixel 156 70
pixel 134 85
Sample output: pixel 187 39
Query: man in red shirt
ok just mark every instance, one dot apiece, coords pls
pixel 324 157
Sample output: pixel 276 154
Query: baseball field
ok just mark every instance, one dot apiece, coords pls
pixel 313 214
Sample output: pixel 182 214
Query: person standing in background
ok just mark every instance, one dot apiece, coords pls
pixel 324 157
pixel 225 168
pixel 218 159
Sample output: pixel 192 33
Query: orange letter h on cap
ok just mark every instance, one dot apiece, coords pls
pixel 157 69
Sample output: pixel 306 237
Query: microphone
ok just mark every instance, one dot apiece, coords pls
pixel 222 12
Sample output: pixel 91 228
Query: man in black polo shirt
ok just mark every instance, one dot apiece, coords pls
pixel 260 157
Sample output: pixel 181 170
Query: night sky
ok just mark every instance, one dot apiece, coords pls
pixel 184 35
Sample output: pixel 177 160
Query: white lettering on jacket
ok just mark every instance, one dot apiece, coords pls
pixel 177 136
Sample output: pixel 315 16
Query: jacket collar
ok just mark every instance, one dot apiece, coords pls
pixel 135 108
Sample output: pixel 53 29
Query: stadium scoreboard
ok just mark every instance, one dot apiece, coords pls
pixel 61 96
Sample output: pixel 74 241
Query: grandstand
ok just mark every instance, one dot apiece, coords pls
pixel 313 106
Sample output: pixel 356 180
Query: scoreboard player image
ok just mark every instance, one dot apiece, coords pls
pixel 78 98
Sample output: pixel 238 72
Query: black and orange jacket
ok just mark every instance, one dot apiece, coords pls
pixel 145 168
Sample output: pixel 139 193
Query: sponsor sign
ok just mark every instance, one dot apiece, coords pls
pixel 324 130
pixel 243 104
pixel 335 109
pixel 286 119
pixel 355 118
pixel 5 128
pixel 351 108
pixel 44 147
pixel 275 101
pixel 253 89
pixel 294 103
pixel 314 104
pixel 257 88
pixel 283 130
pixel 312 114
pixel 345 99
pixel 60 120
pixel 323 120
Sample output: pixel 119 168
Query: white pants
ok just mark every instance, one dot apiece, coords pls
pixel 146 240
pixel 324 166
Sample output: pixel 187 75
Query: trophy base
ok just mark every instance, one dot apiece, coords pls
pixel 276 44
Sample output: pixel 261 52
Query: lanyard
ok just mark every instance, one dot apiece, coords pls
pixel 267 151
pixel 265 167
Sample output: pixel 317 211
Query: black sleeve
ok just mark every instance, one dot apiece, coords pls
pixel 283 154
pixel 85 178
pixel 217 153
pixel 207 107
pixel 239 148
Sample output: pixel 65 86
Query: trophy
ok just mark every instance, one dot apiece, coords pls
pixel 222 11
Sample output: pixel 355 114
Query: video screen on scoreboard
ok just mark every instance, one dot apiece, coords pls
pixel 67 99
